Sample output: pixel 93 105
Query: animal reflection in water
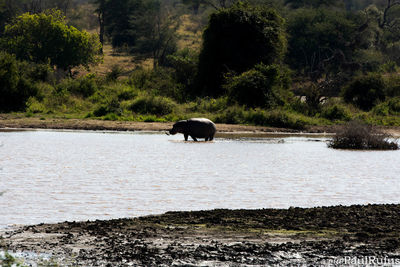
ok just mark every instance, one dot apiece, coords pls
pixel 195 128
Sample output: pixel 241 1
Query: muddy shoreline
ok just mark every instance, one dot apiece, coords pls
pixel 327 236
pixel 19 122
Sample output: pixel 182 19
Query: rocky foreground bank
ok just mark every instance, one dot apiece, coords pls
pixel 328 236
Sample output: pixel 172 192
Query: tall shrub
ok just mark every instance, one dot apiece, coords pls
pixel 15 89
pixel 45 38
pixel 259 87
pixel 365 91
pixel 235 40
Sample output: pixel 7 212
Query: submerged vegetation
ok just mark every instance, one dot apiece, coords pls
pixel 356 135
pixel 279 63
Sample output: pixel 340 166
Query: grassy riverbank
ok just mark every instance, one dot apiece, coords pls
pixel 326 235
pixel 20 121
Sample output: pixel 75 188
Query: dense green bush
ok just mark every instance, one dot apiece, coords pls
pixel 159 81
pixel 148 104
pixel 126 93
pixel 275 118
pixel 110 105
pixel 139 78
pixel 381 109
pixel 115 72
pixel 34 106
pixel 184 63
pixel 389 107
pixel 209 104
pixel 392 85
pixel 365 91
pixel 371 60
pixel 232 115
pixel 84 86
pixel 259 87
pixel 394 105
pixel 37 72
pixel 56 99
pixel 336 112
pixel 15 87
pixel 46 38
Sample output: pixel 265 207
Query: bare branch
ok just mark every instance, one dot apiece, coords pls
pixel 390 4
pixel 209 2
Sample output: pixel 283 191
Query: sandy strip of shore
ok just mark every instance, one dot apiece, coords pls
pixel 12 122
pixel 19 122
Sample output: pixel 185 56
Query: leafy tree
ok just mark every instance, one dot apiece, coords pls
pixel 156 32
pixel 101 10
pixel 319 38
pixel 45 38
pixel 235 40
pixel 118 21
pixel 185 64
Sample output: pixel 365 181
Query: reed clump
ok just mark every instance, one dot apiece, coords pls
pixel 357 135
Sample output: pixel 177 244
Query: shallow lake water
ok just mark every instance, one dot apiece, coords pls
pixel 53 176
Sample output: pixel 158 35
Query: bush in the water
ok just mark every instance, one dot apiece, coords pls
pixel 356 135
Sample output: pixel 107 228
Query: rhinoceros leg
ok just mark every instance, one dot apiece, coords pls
pixel 194 138
pixel 186 136
pixel 211 137
pixel 206 139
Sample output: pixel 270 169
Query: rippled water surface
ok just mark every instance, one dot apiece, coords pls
pixel 52 176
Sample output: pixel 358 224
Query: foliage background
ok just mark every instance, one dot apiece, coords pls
pixel 284 63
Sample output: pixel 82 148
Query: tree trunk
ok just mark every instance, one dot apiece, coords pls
pixel 101 33
pixel 196 6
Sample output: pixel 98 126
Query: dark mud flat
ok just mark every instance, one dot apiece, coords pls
pixel 328 236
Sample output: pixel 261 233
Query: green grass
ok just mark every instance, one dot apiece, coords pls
pixel 131 99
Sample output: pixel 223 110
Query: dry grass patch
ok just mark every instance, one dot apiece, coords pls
pixel 189 33
pixel 113 59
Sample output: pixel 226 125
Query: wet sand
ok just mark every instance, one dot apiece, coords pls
pixel 268 237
